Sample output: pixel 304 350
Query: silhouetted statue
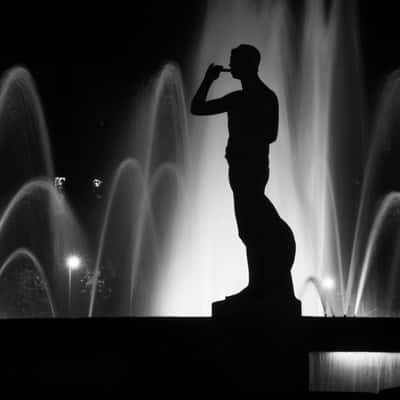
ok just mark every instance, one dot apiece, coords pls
pixel 253 116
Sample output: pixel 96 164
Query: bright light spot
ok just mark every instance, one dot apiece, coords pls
pixel 73 262
pixel 360 359
pixel 59 182
pixel 97 182
pixel 311 301
pixel 328 283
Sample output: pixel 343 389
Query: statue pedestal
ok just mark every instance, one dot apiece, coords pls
pixel 255 307
pixel 261 343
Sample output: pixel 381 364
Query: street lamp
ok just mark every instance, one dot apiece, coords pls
pixel 73 262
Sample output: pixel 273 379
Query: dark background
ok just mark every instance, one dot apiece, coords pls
pixel 88 64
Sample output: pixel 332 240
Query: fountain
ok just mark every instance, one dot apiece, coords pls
pixel 168 242
pixel 299 63
pixel 326 166
pixel 36 225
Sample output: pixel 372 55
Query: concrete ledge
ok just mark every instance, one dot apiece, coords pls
pixel 224 355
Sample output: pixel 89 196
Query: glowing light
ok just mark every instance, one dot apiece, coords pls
pixel 328 283
pixel 59 182
pixel 97 183
pixel 360 359
pixel 97 186
pixel 73 262
pixel 354 371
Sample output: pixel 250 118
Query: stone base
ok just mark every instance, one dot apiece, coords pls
pixel 245 305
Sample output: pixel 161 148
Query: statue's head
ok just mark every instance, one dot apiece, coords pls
pixel 244 62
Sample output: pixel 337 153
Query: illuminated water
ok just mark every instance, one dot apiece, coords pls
pixel 307 181
pixel 146 194
pixel 37 227
pixel 326 167
pixel 354 371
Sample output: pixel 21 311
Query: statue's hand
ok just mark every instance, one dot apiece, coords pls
pixel 213 72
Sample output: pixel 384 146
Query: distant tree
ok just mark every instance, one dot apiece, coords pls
pixel 22 293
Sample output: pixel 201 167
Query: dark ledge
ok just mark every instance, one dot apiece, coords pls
pixel 225 354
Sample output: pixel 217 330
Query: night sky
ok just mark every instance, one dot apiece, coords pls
pixel 88 64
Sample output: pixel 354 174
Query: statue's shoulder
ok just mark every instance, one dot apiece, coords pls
pixel 269 97
pixel 269 92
